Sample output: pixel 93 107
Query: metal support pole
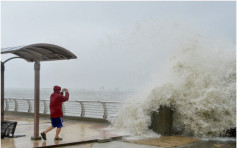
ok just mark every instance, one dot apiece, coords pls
pixel 2 91
pixel 37 96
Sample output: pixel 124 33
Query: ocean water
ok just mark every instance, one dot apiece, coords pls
pixel 198 83
pixel 75 94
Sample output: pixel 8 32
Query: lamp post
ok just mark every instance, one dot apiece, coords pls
pixel 2 85
pixel 2 91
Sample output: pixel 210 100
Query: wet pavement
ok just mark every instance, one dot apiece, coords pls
pixel 86 134
pixel 73 132
pixel 211 144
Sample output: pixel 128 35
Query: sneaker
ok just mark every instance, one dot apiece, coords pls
pixel 43 135
pixel 55 139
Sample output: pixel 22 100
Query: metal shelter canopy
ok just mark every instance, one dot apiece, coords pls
pixel 34 53
pixel 40 52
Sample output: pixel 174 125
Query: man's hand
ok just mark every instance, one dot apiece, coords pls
pixel 65 90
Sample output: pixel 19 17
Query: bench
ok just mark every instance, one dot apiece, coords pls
pixel 8 129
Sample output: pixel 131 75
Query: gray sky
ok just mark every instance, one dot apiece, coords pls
pixel 118 44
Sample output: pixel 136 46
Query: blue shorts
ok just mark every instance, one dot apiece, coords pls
pixel 57 122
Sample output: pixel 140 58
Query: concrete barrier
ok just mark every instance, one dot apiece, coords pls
pixel 162 121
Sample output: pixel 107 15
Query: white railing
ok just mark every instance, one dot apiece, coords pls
pixel 77 108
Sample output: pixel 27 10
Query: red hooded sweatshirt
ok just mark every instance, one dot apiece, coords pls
pixel 56 100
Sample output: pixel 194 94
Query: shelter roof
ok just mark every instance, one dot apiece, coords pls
pixel 40 52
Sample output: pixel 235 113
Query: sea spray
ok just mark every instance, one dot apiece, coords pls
pixel 200 86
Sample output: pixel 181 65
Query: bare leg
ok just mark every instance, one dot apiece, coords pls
pixel 57 132
pixel 48 129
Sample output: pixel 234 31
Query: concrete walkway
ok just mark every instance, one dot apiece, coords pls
pixel 84 134
pixel 73 132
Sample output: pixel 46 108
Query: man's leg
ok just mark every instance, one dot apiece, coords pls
pixel 48 129
pixel 43 134
pixel 59 126
pixel 57 132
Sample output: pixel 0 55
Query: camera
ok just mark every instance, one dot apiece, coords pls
pixel 64 90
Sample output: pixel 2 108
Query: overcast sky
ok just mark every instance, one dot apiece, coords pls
pixel 118 44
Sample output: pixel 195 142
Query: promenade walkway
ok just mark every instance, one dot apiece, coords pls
pixel 88 134
pixel 73 132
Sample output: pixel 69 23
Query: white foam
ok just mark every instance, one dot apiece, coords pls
pixel 200 84
pixel 224 139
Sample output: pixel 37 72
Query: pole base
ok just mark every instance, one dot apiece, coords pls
pixel 35 138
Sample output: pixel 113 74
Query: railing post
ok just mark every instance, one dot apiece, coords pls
pixel 45 107
pixel 63 107
pixel 105 109
pixel 29 106
pixel 82 109
pixel 16 105
pixel 7 104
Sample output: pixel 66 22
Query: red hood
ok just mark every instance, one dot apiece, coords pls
pixel 57 89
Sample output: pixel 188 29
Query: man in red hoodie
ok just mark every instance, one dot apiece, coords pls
pixel 56 113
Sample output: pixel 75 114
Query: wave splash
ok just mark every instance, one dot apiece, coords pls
pixel 200 86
